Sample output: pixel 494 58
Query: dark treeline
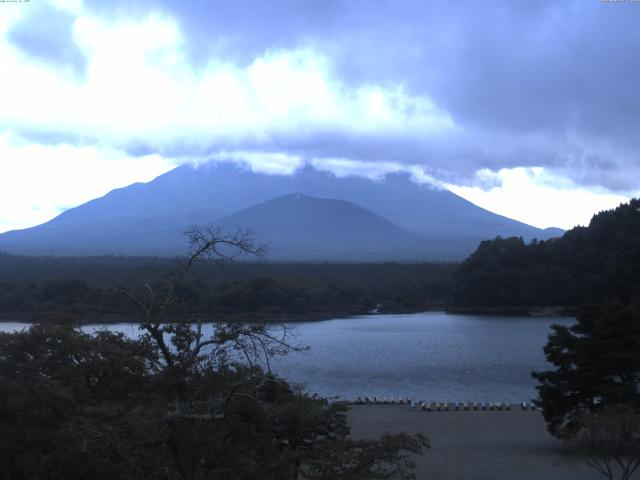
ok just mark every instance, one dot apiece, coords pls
pixel 588 264
pixel 86 288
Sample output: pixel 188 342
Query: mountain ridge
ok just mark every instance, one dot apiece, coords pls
pixel 301 227
pixel 136 219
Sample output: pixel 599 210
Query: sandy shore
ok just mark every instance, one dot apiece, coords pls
pixel 474 445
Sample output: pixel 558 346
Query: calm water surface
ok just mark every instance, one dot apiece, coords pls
pixel 428 356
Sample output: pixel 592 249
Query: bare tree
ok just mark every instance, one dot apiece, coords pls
pixel 608 441
pixel 182 343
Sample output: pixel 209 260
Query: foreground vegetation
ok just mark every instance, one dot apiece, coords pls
pixel 78 406
pixel 597 365
pixel 174 404
pixel 591 399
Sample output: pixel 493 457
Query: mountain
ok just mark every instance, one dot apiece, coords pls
pixel 148 218
pixel 300 227
pixel 552 232
pixel 111 235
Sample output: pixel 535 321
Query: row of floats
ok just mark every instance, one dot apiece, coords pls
pixel 444 406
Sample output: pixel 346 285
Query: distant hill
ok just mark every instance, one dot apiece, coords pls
pixel 149 218
pixel 300 227
pixel 587 264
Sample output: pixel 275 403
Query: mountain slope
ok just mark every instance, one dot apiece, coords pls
pixel 149 218
pixel 113 235
pixel 306 228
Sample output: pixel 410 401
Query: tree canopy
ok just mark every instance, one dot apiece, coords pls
pixel 587 264
pixel 38 289
pixel 597 364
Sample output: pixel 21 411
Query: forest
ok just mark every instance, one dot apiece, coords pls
pixel 88 288
pixel 596 263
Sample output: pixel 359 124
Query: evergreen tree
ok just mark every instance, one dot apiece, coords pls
pixel 597 364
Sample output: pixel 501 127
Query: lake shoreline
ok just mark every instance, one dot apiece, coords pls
pixel 288 317
pixel 519 311
pixel 221 318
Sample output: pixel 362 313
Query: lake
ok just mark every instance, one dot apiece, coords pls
pixel 426 356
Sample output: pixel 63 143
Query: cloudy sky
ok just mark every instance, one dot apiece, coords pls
pixel 530 108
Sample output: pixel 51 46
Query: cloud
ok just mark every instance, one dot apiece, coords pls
pixel 447 90
pixel 537 197
pixel 139 90
pixel 44 33
pixel 39 182
pixel 455 88
pixel 264 162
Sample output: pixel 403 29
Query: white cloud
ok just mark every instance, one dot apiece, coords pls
pixel 39 182
pixel 345 167
pixel 538 197
pixel 275 112
pixel 265 162
pixel 140 86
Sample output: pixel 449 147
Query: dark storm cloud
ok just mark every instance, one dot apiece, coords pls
pixel 571 67
pixel 515 65
pixel 45 34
